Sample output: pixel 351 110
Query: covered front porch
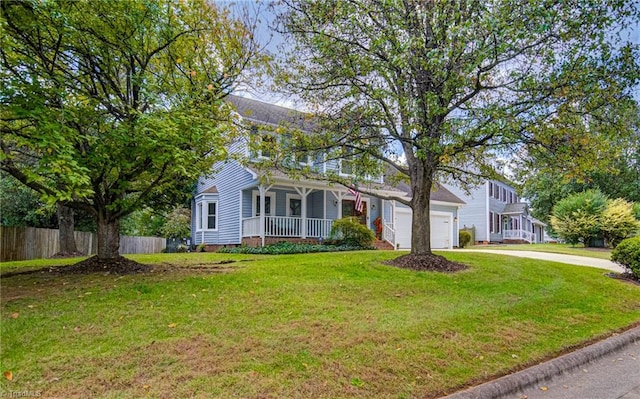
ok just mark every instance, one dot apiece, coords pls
pixel 522 229
pixel 303 211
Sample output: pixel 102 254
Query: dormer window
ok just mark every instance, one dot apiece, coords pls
pixel 267 144
pixel 347 166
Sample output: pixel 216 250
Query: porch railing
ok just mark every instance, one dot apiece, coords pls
pixel 518 235
pixel 388 233
pixel 286 226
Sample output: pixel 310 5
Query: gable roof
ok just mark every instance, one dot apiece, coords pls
pixel 517 208
pixel 264 113
pixel 441 194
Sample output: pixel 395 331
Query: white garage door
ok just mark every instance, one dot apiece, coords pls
pixel 440 229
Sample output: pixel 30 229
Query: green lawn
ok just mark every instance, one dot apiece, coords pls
pixel 298 326
pixel 567 249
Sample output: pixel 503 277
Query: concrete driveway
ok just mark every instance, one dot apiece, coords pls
pixel 570 259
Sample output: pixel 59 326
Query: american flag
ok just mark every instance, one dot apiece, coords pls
pixel 353 190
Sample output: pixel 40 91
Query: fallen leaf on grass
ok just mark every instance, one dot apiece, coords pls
pixel 172 325
pixel 15 315
pixel 8 375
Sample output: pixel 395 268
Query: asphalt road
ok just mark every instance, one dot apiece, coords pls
pixel 614 376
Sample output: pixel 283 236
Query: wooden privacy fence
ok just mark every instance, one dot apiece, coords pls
pixel 25 243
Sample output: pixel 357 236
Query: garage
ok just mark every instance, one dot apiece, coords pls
pixel 441 229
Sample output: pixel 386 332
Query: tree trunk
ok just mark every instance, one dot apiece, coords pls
pixel 421 222
pixel 108 238
pixel 66 226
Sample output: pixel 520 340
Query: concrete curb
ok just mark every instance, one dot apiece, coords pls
pixel 510 385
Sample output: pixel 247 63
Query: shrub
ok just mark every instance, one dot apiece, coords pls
pixel 576 218
pixel 627 255
pixel 178 224
pixel 201 248
pixel 618 221
pixel 288 248
pixel 349 231
pixel 464 238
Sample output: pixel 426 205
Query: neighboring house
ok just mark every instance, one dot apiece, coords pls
pixel 496 214
pixel 240 203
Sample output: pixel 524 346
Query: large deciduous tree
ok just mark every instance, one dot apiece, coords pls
pixel 451 86
pixel 108 106
pixel 615 172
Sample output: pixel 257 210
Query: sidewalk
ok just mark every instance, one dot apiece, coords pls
pixel 609 369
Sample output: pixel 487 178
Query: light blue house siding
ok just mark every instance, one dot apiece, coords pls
pixel 475 212
pixel 228 180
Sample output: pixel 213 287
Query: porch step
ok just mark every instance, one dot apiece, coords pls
pixel 381 244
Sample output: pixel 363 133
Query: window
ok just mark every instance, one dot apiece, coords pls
pixel 491 222
pixel 490 189
pixel 212 215
pixel 294 205
pixel 347 162
pixel 267 143
pixel 269 203
pixel 207 215
pixel 495 220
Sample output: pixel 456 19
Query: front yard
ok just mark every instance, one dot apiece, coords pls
pixel 297 326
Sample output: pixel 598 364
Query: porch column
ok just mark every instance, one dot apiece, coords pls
pixel 339 196
pixel 262 189
pixel 522 230
pixel 303 191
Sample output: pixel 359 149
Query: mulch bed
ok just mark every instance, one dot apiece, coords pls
pixel 119 265
pixel 431 263
pixel 626 277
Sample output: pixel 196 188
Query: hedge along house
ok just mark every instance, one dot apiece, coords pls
pixel 241 203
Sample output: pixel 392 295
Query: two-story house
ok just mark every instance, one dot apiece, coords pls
pixel 497 215
pixel 240 203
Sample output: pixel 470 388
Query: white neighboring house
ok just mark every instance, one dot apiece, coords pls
pixel 497 215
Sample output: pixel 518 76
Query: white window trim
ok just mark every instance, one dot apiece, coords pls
pixel 341 173
pixel 254 203
pixel 289 198
pixel 202 218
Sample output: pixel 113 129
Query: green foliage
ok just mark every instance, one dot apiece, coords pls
pixel 464 238
pixel 289 248
pixel 21 206
pixel 178 224
pixel 627 254
pixel 113 106
pixel 577 217
pixel 618 221
pixel 349 231
pixel 201 248
pixel 546 181
pixel 144 222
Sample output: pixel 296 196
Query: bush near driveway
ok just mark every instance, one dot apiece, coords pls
pixel 627 254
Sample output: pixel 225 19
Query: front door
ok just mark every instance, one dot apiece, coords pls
pixel 349 210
